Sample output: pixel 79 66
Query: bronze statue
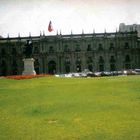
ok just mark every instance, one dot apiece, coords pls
pixel 28 49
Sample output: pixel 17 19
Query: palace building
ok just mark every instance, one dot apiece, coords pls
pixel 59 53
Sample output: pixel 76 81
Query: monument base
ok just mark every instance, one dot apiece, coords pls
pixel 28 67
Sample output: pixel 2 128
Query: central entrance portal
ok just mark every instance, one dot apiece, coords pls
pixel 52 67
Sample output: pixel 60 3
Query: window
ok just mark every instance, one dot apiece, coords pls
pixel 127 66
pixel 3 68
pixel 36 62
pixel 51 50
pixel 78 61
pixel 14 67
pixel 67 68
pixel 36 65
pixel 14 64
pixel 78 68
pixel 67 60
pixel 89 47
pixel 100 47
pixel 78 49
pixel 111 48
pixel 112 63
pixel 131 28
pixel 112 67
pixel 14 71
pixel 101 63
pixel 112 59
pixel 101 67
pixel 127 58
pixel 126 45
pixel 3 52
pixel 127 62
pixel 90 68
pixel 66 48
pixel 67 64
pixel 36 50
pixel 101 60
pixel 89 60
pixel 14 52
pixel 111 45
pixel 3 64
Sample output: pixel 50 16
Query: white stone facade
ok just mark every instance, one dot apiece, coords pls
pixel 72 53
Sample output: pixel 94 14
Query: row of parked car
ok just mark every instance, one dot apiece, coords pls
pixel 87 73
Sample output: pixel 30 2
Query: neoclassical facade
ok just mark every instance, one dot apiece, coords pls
pixel 72 53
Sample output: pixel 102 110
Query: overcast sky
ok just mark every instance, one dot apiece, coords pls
pixel 24 16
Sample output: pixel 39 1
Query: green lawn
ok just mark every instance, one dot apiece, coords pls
pixel 52 108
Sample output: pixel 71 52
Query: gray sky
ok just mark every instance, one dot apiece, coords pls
pixel 33 16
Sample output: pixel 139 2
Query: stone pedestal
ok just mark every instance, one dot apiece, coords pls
pixel 29 66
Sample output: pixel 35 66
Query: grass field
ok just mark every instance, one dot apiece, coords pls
pixel 50 108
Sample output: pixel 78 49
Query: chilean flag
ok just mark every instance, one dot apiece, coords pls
pixel 50 28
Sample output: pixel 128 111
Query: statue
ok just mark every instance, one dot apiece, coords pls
pixel 28 49
pixel 28 60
